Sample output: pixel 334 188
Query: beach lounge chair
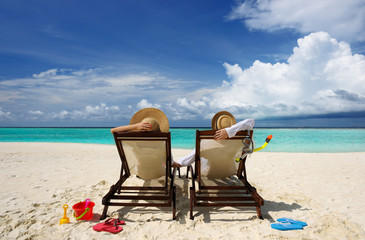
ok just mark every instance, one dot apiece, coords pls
pixel 148 156
pixel 220 180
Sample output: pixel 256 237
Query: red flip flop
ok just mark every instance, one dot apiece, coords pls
pixel 110 225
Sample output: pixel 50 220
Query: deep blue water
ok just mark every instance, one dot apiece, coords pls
pixel 284 139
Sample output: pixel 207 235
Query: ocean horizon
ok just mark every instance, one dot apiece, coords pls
pixel 300 139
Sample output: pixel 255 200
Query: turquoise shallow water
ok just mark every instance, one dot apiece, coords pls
pixel 284 139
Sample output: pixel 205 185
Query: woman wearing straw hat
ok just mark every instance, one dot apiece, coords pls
pixel 226 126
pixel 147 120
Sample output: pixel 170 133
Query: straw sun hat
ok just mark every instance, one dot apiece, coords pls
pixel 155 117
pixel 222 119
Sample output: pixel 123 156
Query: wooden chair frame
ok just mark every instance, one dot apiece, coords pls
pixel 119 194
pixel 244 195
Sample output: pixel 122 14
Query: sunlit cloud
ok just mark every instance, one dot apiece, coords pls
pixel 146 104
pixel 344 20
pixel 321 76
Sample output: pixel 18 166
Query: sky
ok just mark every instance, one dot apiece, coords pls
pixel 285 63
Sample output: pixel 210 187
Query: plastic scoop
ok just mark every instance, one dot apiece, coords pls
pixel 87 202
pixel 64 219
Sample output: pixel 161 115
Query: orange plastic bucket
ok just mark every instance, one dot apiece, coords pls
pixel 82 213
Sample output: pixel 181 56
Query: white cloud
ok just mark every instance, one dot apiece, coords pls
pixel 48 73
pixel 63 91
pixel 60 115
pixel 5 115
pixel 321 76
pixel 36 112
pixel 190 109
pixel 146 104
pixel 101 112
pixel 344 20
pixel 35 115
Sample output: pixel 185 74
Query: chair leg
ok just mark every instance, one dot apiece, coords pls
pixel 174 203
pixel 187 171
pixel 103 216
pixel 191 203
pixel 259 214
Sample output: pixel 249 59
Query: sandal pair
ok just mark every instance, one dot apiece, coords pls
pixel 110 225
pixel 285 224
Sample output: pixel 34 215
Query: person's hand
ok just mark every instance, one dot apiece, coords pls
pixel 221 134
pixel 142 126
pixel 175 164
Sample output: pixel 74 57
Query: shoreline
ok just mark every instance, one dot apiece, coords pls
pixel 177 148
pixel 323 189
pixel 209 127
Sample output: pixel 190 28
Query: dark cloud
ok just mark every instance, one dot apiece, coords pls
pixel 348 96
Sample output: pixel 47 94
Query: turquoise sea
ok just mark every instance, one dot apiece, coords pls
pixel 310 140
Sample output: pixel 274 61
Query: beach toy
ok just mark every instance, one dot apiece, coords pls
pixel 64 219
pixel 264 145
pixel 87 202
pixel 249 147
pixel 83 210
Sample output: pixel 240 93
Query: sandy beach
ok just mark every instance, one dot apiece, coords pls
pixel 326 190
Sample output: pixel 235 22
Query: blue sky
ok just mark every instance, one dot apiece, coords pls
pixel 91 63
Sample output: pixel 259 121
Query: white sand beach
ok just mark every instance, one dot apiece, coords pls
pixel 326 190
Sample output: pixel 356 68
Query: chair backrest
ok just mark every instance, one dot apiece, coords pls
pixel 216 159
pixel 145 154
